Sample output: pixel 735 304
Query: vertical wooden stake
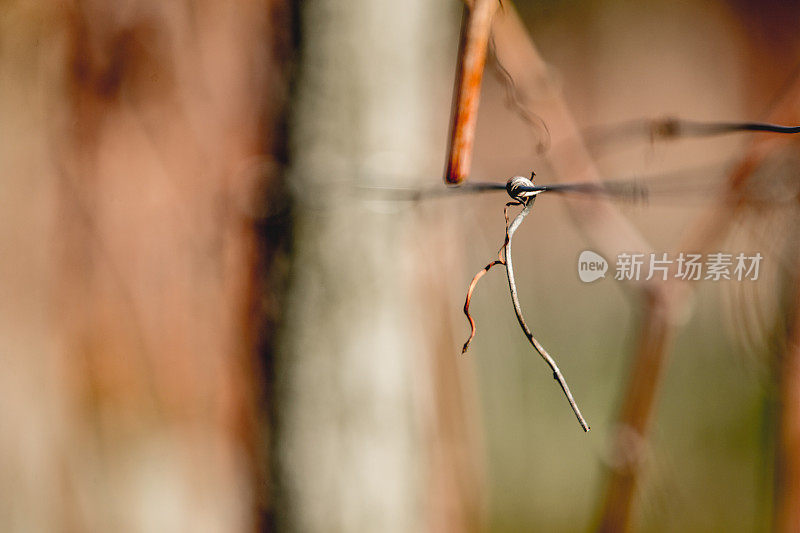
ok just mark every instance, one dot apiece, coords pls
pixel 467 92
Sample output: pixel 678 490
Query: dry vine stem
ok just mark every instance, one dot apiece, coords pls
pixel 467 92
pixel 526 200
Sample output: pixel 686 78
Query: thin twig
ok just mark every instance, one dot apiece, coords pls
pixel 518 310
pixel 504 258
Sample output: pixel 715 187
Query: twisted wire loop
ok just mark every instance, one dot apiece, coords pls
pixel 519 188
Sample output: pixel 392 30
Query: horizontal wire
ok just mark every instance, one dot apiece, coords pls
pixel 675 128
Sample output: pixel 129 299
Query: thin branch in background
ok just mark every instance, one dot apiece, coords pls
pixel 512 102
pixel 657 332
pixel 516 188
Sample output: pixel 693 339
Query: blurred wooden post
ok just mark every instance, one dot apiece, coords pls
pixel 471 61
pixel 374 431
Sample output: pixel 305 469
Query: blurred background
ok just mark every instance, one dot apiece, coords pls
pixel 213 317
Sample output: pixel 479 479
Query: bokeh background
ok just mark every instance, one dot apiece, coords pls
pixel 216 317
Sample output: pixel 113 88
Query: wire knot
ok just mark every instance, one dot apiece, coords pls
pixel 518 188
